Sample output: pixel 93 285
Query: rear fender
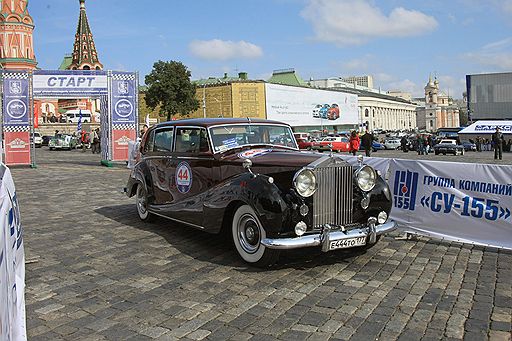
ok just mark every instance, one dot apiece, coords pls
pixel 140 175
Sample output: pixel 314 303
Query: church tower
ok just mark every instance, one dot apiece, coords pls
pixel 16 42
pixel 84 55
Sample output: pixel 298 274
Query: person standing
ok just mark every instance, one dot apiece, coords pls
pixel 353 143
pixel 95 141
pixel 478 143
pixel 367 141
pixel 83 140
pixel 497 139
pixel 404 144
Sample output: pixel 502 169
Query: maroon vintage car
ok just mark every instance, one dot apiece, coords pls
pixel 248 177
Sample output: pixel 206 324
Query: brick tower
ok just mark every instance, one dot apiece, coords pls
pixel 84 55
pixel 16 42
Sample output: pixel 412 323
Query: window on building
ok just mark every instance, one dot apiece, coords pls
pixel 366 113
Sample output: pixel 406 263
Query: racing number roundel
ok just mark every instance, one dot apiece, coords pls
pixel 183 177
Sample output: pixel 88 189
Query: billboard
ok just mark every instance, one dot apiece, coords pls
pixel 310 107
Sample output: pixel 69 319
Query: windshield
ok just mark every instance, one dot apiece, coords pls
pixel 239 135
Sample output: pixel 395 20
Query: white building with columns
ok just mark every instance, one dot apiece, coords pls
pixel 377 110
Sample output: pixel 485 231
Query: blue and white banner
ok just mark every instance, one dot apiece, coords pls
pixel 123 101
pixel 12 263
pixel 465 202
pixel 70 83
pixel 16 101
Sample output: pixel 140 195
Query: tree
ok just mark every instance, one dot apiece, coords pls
pixel 170 89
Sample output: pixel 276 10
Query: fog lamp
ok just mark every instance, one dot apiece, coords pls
pixel 300 228
pixel 365 202
pixel 382 217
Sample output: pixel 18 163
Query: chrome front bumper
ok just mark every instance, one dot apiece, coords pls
pixel 371 231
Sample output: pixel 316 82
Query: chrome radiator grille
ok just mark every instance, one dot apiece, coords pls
pixel 332 202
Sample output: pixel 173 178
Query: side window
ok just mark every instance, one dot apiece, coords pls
pixel 191 140
pixel 163 140
pixel 149 142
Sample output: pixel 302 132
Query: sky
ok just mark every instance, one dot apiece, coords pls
pixel 399 42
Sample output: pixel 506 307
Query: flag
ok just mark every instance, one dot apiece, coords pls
pixel 79 126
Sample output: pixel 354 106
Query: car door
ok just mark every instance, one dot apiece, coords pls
pixel 192 165
pixel 159 161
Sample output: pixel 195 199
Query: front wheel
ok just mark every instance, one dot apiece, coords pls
pixel 142 204
pixel 247 235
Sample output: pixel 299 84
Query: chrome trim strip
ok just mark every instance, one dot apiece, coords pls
pixel 177 220
pixel 318 238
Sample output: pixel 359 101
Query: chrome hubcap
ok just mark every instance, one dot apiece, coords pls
pixel 141 200
pixel 249 233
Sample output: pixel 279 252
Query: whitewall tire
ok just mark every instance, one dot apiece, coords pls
pixel 247 233
pixel 141 198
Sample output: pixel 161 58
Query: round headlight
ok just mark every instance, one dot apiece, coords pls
pixel 305 182
pixel 366 178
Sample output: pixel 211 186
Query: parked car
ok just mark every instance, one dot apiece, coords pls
pixel 38 140
pixel 46 139
pixel 375 146
pixel 226 174
pixel 305 144
pixel 469 146
pixel 447 146
pixel 391 143
pixel 62 141
pixel 339 144
pixel 334 112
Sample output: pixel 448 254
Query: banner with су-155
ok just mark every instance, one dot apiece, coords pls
pixel 456 201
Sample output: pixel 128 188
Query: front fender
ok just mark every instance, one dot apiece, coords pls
pixel 257 191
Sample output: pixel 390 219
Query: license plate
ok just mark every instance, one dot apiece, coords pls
pixel 347 243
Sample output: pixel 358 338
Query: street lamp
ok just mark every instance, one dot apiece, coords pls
pixel 204 100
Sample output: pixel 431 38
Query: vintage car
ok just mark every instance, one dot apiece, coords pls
pixel 334 143
pixel 447 146
pixel 230 175
pixel 62 141
pixel 334 112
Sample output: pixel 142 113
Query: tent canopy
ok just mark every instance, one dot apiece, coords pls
pixel 488 127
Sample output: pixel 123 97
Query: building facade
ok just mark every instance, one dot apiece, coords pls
pixel 16 36
pixel 366 81
pixel 230 97
pixel 489 96
pixel 438 109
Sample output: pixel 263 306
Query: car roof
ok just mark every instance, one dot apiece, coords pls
pixel 210 122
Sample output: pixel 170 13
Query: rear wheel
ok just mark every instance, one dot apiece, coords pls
pixel 142 204
pixel 247 235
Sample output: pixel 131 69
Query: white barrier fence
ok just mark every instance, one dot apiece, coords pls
pixel 12 263
pixel 465 202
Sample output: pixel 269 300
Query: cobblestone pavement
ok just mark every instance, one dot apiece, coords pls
pixel 96 272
